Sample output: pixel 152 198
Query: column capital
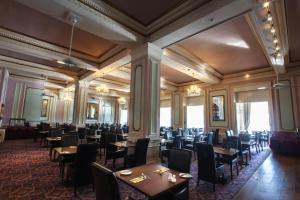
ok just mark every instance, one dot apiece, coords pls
pixel 146 50
pixel 84 84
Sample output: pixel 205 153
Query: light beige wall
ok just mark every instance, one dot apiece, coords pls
pixel 230 87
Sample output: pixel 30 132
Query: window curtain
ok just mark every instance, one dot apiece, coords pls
pixel 246 113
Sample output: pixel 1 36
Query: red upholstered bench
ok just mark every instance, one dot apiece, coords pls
pixel 285 142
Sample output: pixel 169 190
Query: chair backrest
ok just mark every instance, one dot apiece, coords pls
pixel 210 138
pixel 246 137
pixel 231 142
pixel 105 183
pixel 196 139
pixel 180 160
pixel 86 155
pixel 177 141
pixel 109 137
pixel 69 140
pixel 140 153
pixel 206 162
pixel 82 133
pixel 55 132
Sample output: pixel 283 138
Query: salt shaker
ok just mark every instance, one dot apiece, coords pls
pixel 173 179
pixel 170 177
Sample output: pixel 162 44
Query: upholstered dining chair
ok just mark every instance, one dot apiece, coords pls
pixel 140 153
pixel 112 152
pixel 105 183
pixel 230 160
pixel 86 155
pixel 208 169
pixel 192 146
pixel 180 160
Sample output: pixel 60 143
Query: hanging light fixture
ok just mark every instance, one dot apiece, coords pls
pixel 102 89
pixel 122 100
pixel 68 97
pixel 194 90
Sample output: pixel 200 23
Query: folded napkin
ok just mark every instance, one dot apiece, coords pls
pixel 138 179
pixel 161 170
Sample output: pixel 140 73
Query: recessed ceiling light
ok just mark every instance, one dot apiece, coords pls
pixel 262 88
pixel 247 76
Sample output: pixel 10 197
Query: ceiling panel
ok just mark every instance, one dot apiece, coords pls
pixel 292 18
pixel 230 47
pixel 174 76
pixel 144 11
pixel 29 22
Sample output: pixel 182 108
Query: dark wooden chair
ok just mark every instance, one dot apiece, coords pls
pixel 105 183
pixel 192 146
pixel 170 145
pixel 230 160
pixel 67 140
pixel 208 169
pixel 112 152
pixel 82 173
pixel 180 160
pixel 140 153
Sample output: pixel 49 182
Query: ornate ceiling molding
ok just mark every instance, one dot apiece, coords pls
pixel 261 29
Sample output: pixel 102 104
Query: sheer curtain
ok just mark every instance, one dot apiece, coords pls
pixel 247 115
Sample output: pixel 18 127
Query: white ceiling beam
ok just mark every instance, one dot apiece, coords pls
pixel 209 15
pixel 188 67
pixel 91 20
pixel 31 50
pixel 15 64
pixel 259 27
pixel 114 86
pixel 109 65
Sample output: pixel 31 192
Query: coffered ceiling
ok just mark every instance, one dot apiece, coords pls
pixel 144 12
pixel 202 40
pixel 293 29
pixel 229 48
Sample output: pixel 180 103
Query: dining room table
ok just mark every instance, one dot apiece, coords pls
pixel 62 151
pixel 152 180
pixel 229 153
pixel 53 142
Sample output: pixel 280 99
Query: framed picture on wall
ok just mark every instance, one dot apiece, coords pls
pixel 218 110
pixel 92 111
pixel 44 110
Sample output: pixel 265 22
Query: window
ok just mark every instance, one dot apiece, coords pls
pixel 107 112
pixel 165 116
pixel 253 116
pixel 195 116
pixel 123 116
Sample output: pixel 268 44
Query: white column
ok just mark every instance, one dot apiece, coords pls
pixel 3 85
pixel 177 110
pixel 145 95
pixel 80 102
pixel 3 88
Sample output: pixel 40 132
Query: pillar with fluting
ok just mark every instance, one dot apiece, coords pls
pixel 3 87
pixel 177 110
pixel 80 102
pixel 145 94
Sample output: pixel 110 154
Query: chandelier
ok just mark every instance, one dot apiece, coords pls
pixel 102 89
pixel 194 90
pixel 122 100
pixel 67 96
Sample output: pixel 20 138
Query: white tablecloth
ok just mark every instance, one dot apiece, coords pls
pixel 2 135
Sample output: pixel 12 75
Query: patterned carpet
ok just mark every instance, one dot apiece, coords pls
pixel 27 173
